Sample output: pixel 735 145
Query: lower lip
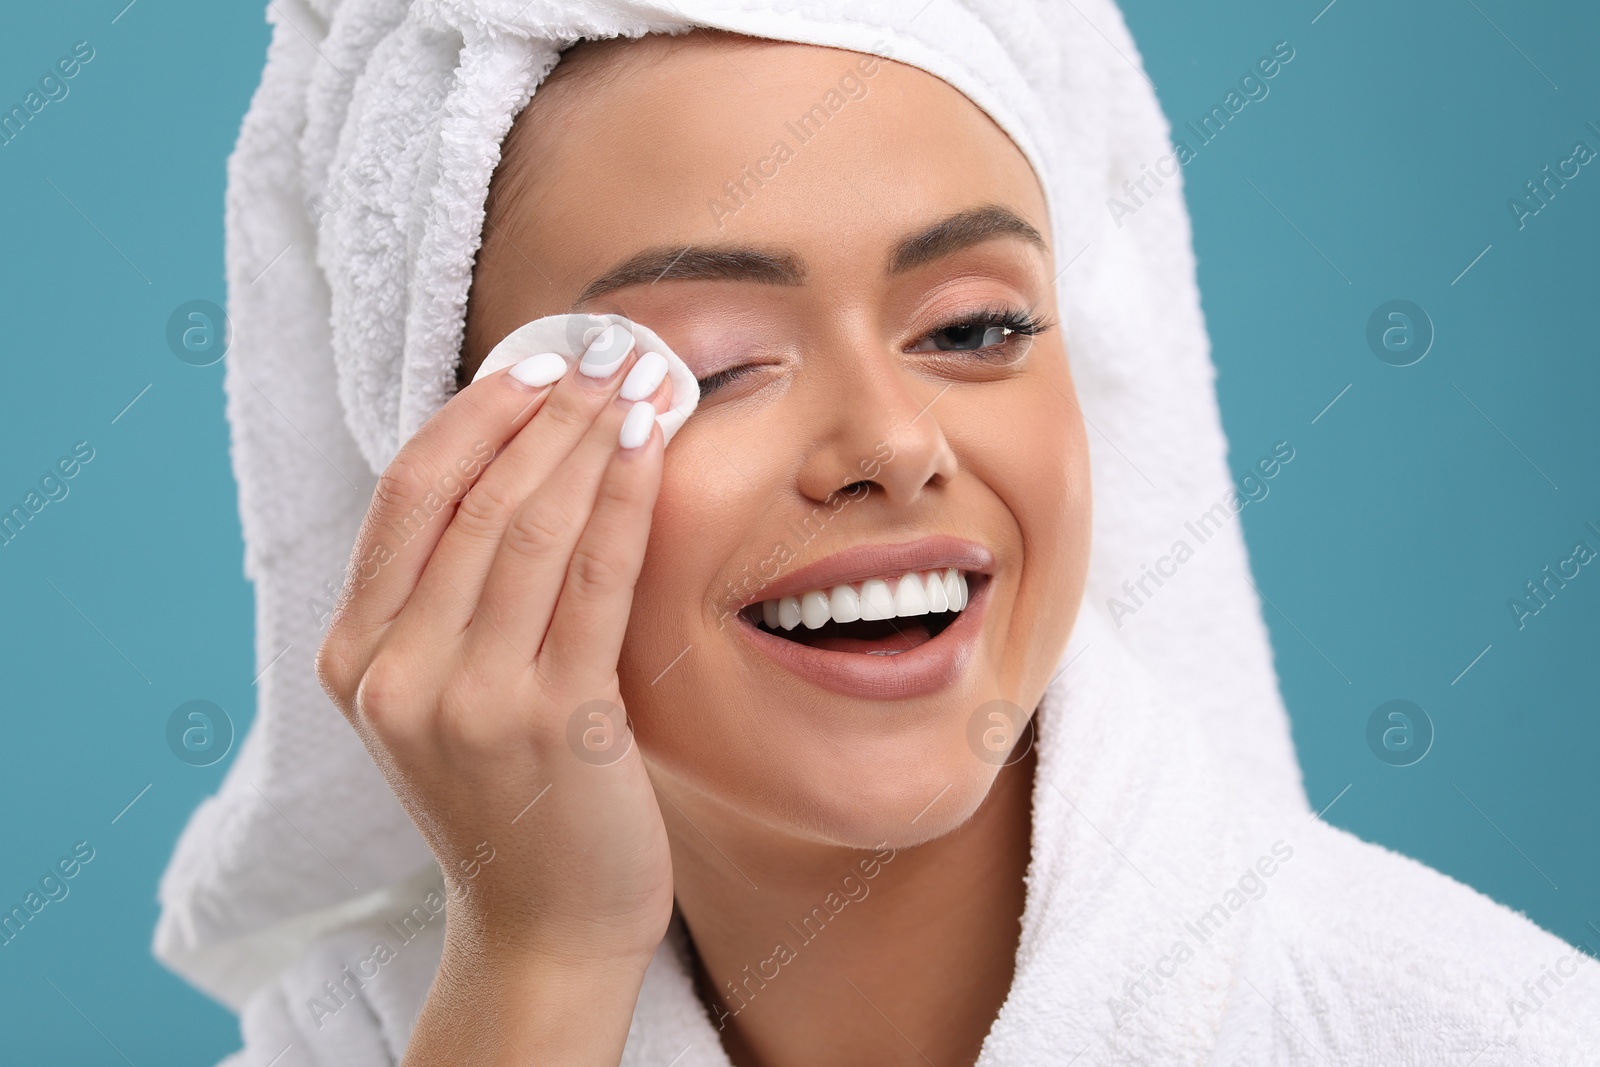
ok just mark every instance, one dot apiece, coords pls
pixel 925 669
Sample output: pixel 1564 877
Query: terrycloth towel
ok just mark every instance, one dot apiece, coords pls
pixel 1171 918
pixel 354 211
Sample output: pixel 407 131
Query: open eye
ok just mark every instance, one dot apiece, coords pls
pixel 982 330
pixel 989 330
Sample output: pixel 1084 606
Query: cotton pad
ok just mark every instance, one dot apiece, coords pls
pixel 569 335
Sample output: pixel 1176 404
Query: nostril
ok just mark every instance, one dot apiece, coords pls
pixel 854 489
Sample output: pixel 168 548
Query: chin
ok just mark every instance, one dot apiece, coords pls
pixel 863 794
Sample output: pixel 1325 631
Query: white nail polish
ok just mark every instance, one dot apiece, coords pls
pixel 645 377
pixel 539 370
pixel 606 352
pixel 636 426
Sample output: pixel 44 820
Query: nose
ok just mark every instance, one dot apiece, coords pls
pixel 882 430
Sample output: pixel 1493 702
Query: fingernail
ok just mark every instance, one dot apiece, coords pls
pixel 539 370
pixel 636 427
pixel 606 352
pixel 645 377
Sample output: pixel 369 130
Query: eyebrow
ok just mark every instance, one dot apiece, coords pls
pixel 780 267
pixel 960 231
pixel 690 262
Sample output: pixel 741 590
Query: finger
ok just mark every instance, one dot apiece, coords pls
pixel 533 559
pixel 453 580
pixel 585 636
pixel 417 494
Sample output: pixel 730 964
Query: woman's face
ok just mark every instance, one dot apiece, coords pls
pixel 847 252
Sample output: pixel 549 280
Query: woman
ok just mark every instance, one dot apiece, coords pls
pixel 882 791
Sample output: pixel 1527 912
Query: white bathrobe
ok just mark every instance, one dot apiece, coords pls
pixel 1170 918
pixel 1184 903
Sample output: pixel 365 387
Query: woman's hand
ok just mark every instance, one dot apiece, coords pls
pixel 475 652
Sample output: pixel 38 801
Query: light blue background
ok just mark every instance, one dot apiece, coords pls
pixel 1415 508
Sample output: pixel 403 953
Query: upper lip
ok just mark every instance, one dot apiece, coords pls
pixel 935 552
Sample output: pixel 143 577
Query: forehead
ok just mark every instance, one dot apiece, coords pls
pixel 709 137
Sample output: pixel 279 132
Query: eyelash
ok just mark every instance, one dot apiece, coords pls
pixel 1015 322
pixel 723 377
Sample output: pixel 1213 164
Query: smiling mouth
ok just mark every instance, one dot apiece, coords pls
pixel 877 617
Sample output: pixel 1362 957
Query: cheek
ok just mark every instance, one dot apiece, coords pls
pixel 701 518
pixel 659 604
pixel 1060 488
pixel 1030 449
pixel 1055 482
pixel 1032 453
pixel 1051 493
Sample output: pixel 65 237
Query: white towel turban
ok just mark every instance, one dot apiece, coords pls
pixel 354 211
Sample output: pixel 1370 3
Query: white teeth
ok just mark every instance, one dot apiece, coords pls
pixel 911 598
pixel 845 604
pixel 909 595
pixel 815 609
pixel 955 587
pixel 876 603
